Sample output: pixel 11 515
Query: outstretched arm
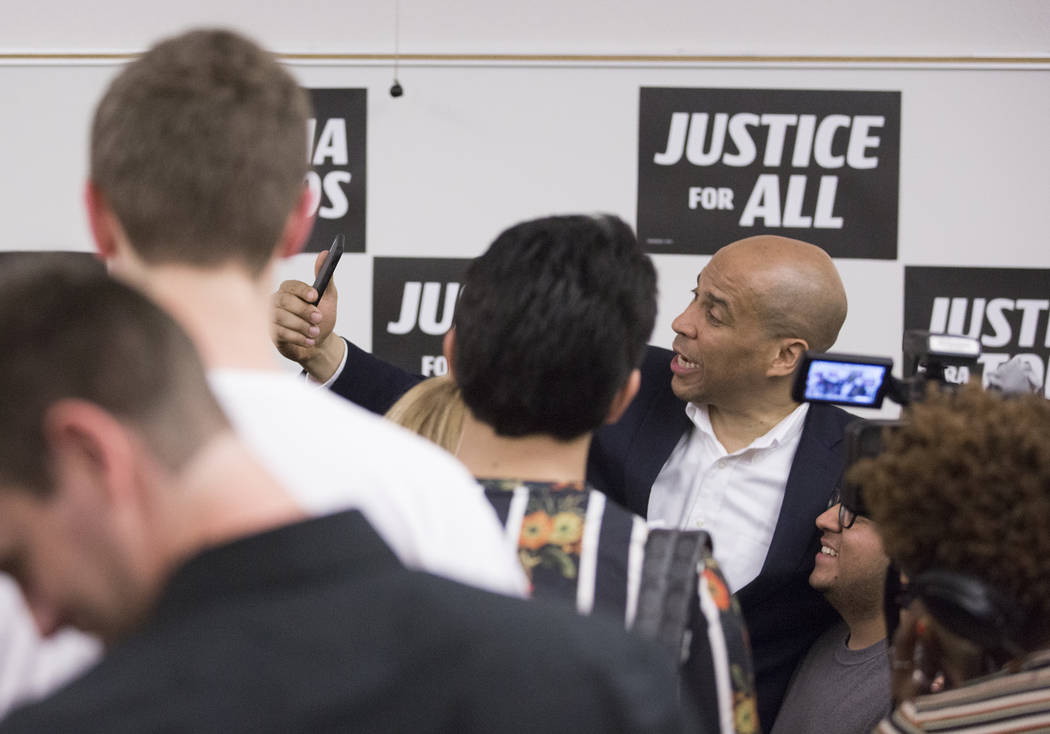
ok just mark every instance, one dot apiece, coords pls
pixel 372 383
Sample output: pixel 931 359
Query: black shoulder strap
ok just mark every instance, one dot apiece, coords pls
pixel 667 593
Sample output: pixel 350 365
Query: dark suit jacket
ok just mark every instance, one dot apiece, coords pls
pixel 784 615
pixel 316 627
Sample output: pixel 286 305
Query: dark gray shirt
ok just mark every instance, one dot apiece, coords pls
pixel 836 690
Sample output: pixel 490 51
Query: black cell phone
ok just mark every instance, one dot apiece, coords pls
pixel 328 266
pixel 842 379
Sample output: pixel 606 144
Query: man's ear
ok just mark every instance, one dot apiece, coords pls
pixel 88 447
pixel 298 225
pixel 789 354
pixel 448 348
pixel 105 229
pixel 623 397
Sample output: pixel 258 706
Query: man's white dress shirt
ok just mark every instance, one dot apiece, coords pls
pixel 735 497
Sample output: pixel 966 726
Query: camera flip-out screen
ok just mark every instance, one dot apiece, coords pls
pixel 842 379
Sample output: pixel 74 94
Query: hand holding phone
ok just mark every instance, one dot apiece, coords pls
pixel 328 266
pixel 324 276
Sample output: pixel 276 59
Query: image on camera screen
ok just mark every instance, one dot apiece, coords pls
pixel 844 382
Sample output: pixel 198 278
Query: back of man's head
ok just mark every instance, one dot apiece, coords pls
pixel 964 487
pixel 199 148
pixel 69 331
pixel 553 318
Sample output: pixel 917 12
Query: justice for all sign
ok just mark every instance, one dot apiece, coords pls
pixel 718 165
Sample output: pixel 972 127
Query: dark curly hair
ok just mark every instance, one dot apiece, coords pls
pixel 964 486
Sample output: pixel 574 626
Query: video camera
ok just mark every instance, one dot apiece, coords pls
pixel 864 382
pixel 967 605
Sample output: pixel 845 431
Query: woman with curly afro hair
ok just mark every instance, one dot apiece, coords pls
pixel 961 496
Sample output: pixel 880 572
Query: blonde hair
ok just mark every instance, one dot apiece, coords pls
pixel 434 409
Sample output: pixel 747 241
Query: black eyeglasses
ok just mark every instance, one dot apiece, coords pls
pixel 846 516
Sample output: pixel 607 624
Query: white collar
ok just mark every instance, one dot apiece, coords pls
pixel 784 431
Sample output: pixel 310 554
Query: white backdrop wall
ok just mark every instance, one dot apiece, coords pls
pixel 475 145
pixel 669 27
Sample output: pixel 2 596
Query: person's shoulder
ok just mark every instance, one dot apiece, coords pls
pixel 511 624
pixel 333 455
pixel 653 352
pixel 831 414
pixel 109 697
pixel 618 522
pixel 589 665
pixel 657 360
pixel 828 644
pixel 367 439
pixel 828 422
pixel 41 717
pixel 284 395
pixel 656 375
